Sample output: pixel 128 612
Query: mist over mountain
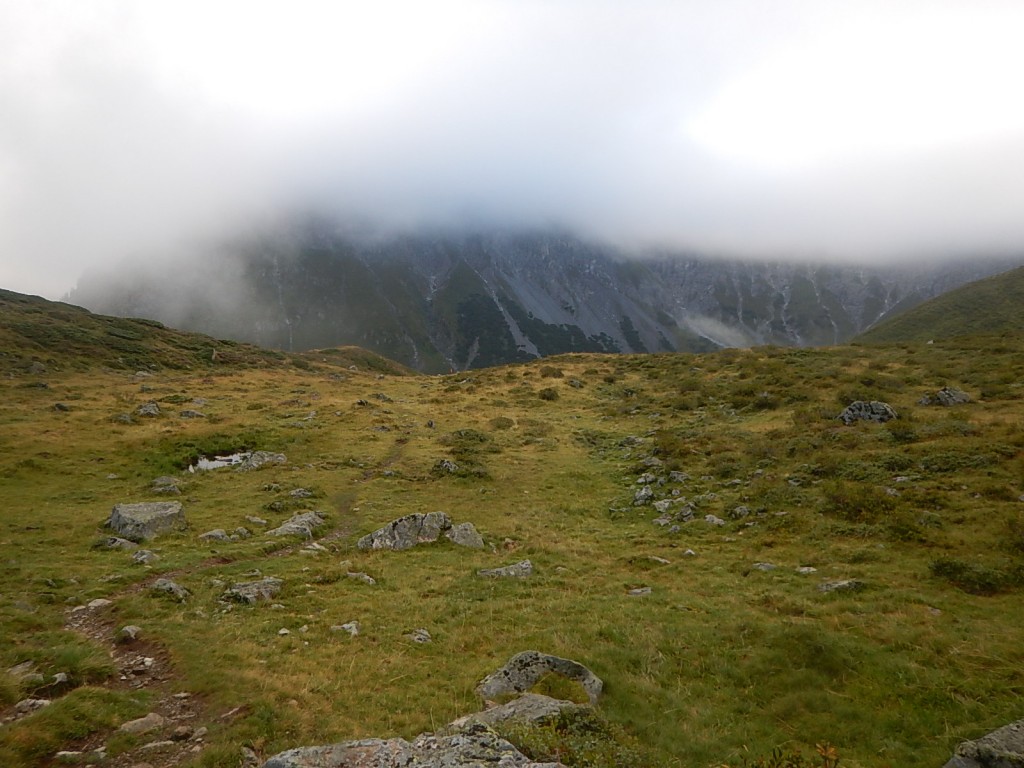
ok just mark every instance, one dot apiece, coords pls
pixel 439 301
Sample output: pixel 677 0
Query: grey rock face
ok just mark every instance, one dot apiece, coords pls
pixel 138 522
pixel 643 496
pixel 148 409
pixel 523 670
pixel 946 396
pixel 477 747
pixel 519 570
pixel 863 410
pixel 1003 748
pixel 252 592
pixel 171 588
pixel 302 524
pixel 217 534
pixel 260 459
pixel 528 708
pixel 407 532
pixel 465 535
pixel 150 722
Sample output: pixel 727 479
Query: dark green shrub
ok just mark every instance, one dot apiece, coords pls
pixel 548 393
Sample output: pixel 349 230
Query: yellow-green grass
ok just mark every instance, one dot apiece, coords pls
pixel 720 660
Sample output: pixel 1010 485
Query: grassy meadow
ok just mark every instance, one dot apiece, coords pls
pixel 720 663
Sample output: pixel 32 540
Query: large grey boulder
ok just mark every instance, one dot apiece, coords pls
pixel 301 524
pixel 138 522
pixel 1003 748
pixel 252 592
pixel 525 669
pixel 477 747
pixel 946 396
pixel 864 410
pixel 407 532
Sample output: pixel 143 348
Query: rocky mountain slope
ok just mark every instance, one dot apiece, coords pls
pixel 990 306
pixel 447 302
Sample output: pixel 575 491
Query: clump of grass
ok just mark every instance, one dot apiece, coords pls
pixel 976 578
pixel 580 738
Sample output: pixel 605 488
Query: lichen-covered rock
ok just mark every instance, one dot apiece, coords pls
pixel 407 532
pixel 863 410
pixel 172 588
pixel 260 459
pixel 523 670
pixel 1003 748
pixel 528 708
pixel 302 524
pixel 165 484
pixel 465 535
pixel 519 570
pixel 476 747
pixel 138 522
pixel 946 396
pixel 252 592
pixel 148 409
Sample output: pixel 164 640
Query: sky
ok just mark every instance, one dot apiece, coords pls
pixel 868 130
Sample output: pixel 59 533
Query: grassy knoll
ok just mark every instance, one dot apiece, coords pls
pixel 722 661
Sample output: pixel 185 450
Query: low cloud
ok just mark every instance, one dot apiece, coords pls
pixel 133 131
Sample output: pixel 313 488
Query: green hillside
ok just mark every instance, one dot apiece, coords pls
pixel 990 306
pixel 744 572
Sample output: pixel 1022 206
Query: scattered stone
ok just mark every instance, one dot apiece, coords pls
pixel 946 396
pixel 639 592
pixel 182 733
pixel 260 459
pixel 255 520
pixel 171 588
pixel 643 496
pixel 363 577
pixel 144 557
pixel 689 553
pixel 61 678
pixel 25 672
pixel 659 560
pixel 646 479
pixel 713 520
pixel 123 418
pixel 408 531
pixel 522 671
pixel 806 570
pixel 61 407
pixel 129 633
pixel 528 708
pixel 282 632
pixel 301 524
pixel 738 513
pixel 147 724
pixel 138 522
pixel 72 756
pixel 465 535
pixel 301 493
pixel 445 467
pixel 352 627
pixel 165 484
pixel 217 534
pixel 477 746
pixel 28 706
pixel 862 410
pixel 844 585
pixel 519 570
pixel 116 542
pixel 764 567
pixel 678 477
pixel 419 636
pixel 252 592
pixel 154 745
pixel 148 409
pixel 1002 748
pixel 188 413
pixel 99 603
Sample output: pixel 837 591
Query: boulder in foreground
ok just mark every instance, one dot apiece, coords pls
pixel 138 522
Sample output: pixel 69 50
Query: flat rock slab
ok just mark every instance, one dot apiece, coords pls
pixel 252 592
pixel 465 535
pixel 138 522
pixel 260 459
pixel 520 570
pixel 407 532
pixel 528 708
pixel 1003 748
pixel 525 669
pixel 477 748
pixel 172 588
pixel 302 524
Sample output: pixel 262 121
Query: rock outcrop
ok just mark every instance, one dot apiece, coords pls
pixel 252 592
pixel 138 522
pixel 407 532
pixel 260 459
pixel 946 396
pixel 864 410
pixel 1003 748
pixel 523 670
pixel 302 524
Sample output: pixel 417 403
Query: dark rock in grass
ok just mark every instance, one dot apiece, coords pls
pixel 643 496
pixel 165 484
pixel 145 557
pixel 520 570
pixel 168 587
pixel 129 633
pixel 445 467
pixel 148 409
pixel 1003 748
pixel 28 706
pixel 217 534
pixel 844 585
pixel 252 592
pixel 863 410
pixel 420 636
pixel 61 407
pixel 475 747
pixel 525 669
pixel 946 396
pixel 302 524
pixel 465 535
pixel 407 532
pixel 138 522
pixel 260 459
pixel 115 542
pixel 188 413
